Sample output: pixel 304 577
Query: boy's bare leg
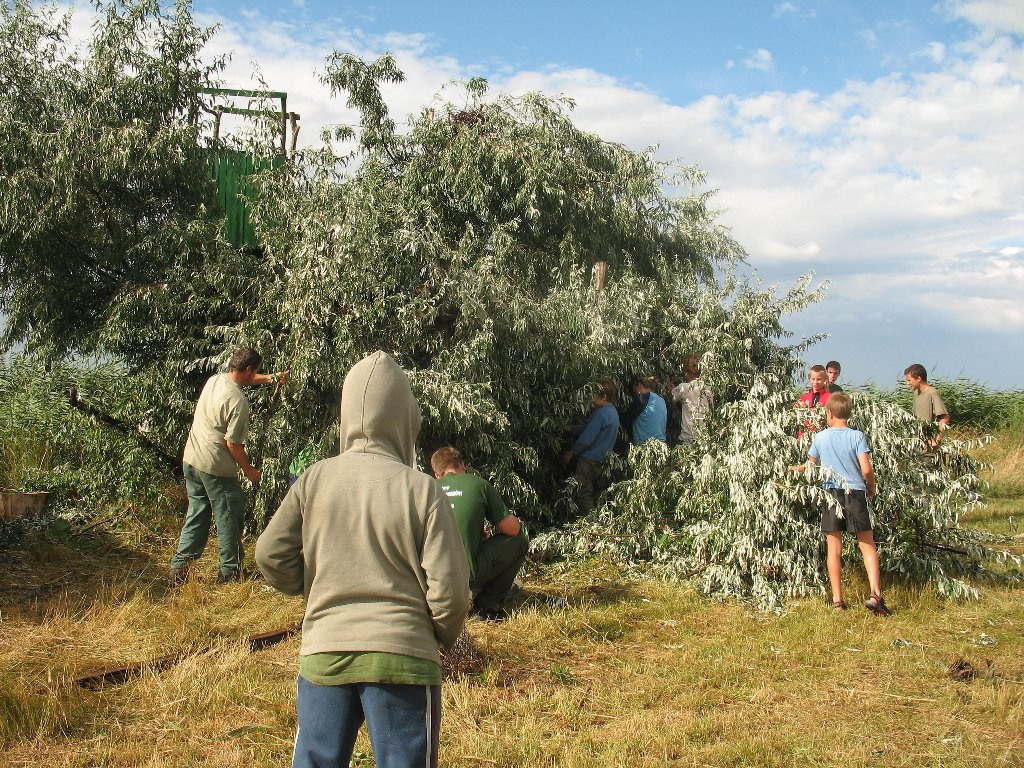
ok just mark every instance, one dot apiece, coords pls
pixel 866 540
pixel 834 540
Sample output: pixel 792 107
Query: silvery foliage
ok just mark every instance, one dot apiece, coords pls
pixel 465 247
pixel 728 513
pixel 104 178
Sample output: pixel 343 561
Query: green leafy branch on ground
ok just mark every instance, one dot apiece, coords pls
pixel 728 513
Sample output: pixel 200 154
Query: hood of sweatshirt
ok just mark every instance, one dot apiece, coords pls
pixel 379 412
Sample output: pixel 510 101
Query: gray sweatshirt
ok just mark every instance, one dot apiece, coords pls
pixel 370 541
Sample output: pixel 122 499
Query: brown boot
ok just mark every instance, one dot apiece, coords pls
pixel 177 576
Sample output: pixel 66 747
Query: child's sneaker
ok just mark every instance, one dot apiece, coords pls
pixel 877 605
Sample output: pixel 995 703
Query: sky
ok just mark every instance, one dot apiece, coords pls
pixel 879 144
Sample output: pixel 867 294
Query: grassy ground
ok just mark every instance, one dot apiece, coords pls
pixel 592 670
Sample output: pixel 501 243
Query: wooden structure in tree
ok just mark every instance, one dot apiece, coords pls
pixel 230 167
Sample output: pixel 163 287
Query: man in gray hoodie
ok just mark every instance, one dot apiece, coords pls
pixel 373 546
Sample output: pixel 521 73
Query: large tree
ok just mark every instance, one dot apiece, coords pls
pixel 507 258
pixel 504 256
pixel 105 187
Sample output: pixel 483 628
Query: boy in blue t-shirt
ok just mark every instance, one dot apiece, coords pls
pixel 846 453
pixel 594 441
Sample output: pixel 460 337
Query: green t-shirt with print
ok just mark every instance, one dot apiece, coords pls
pixel 474 501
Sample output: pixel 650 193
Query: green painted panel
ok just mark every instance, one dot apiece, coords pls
pixel 230 168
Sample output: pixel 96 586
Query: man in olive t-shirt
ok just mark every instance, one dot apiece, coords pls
pixel 928 406
pixel 494 561
pixel 214 452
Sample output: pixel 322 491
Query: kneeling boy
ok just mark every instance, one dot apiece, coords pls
pixel 494 561
pixel 846 453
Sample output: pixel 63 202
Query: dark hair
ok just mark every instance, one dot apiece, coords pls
pixel 608 390
pixel 444 459
pixel 917 371
pixel 839 405
pixel 833 364
pixel 245 358
pixel 691 366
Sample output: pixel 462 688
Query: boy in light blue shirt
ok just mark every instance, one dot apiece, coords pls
pixel 846 453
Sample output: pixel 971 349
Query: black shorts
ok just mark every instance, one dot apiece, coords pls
pixel 855 512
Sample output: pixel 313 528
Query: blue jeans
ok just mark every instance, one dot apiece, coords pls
pixel 212 497
pixel 404 723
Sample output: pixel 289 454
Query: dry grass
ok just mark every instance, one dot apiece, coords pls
pixel 221 705
pixel 1006 455
pixel 593 670
pixel 661 677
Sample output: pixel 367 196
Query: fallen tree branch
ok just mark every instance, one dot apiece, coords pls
pixel 173 463
pixel 119 675
pixel 944 548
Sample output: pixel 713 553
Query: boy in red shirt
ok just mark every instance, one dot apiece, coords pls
pixel 816 396
pixel 819 391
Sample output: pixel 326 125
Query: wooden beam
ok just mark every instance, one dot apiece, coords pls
pixel 244 93
pixel 119 675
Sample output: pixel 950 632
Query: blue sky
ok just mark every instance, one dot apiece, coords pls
pixel 876 143
pixel 680 51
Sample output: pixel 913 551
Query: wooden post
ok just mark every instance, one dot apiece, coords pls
pixel 295 131
pixel 284 125
pixel 119 675
pixel 16 504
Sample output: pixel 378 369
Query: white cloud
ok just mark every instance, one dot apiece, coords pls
pixel 786 251
pixel 905 189
pixel 980 312
pixel 760 59
pixel 934 51
pixel 787 7
pixel 869 38
pixel 992 17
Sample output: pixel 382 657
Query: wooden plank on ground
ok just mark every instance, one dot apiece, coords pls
pixel 120 675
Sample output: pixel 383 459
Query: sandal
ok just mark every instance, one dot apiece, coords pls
pixel 839 605
pixel 877 605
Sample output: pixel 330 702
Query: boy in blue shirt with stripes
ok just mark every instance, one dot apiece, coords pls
pixel 846 453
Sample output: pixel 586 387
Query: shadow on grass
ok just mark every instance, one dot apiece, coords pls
pixel 48 562
pixel 596 583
